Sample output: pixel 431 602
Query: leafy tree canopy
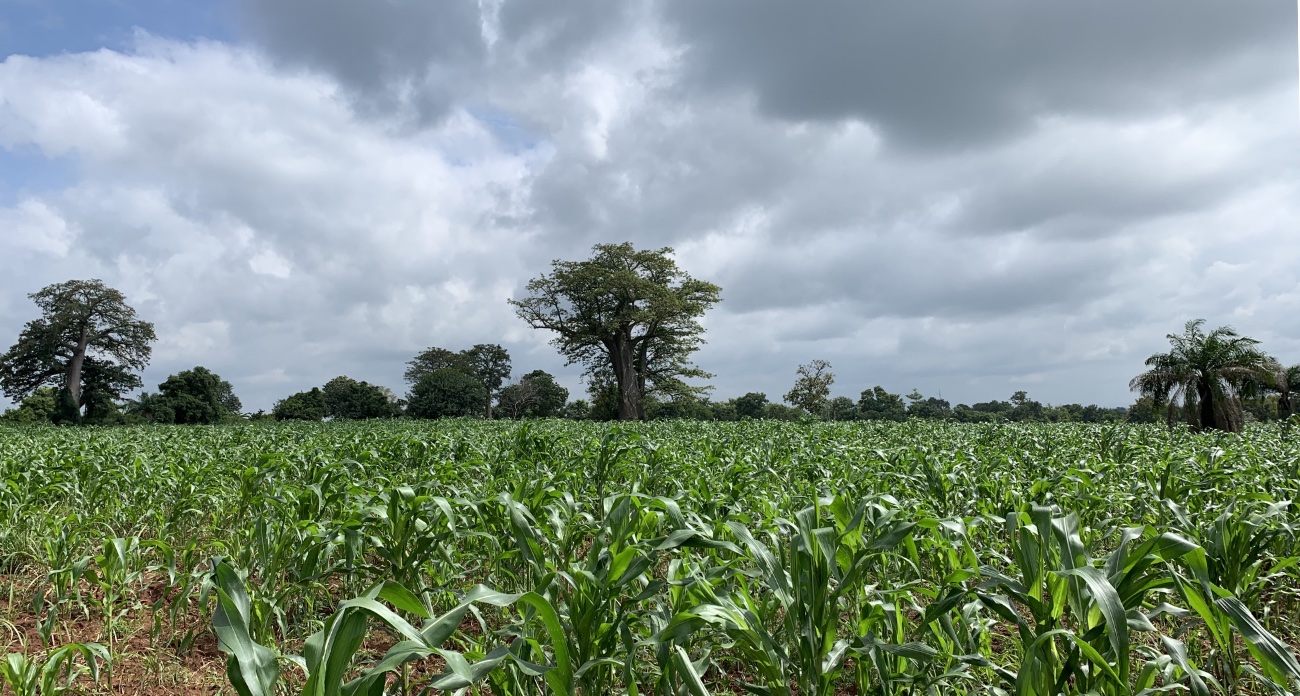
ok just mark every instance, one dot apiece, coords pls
pixel 487 363
pixel 195 396
pixel 39 407
pixel 629 316
pixel 446 393
pixel 812 388
pixel 80 320
pixel 348 399
pixel 536 395
pixel 306 406
pixel 751 405
pixel 878 404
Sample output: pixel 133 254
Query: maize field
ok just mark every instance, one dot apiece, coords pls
pixel 657 558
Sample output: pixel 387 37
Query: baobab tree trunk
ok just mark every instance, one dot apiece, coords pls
pixel 630 394
pixel 74 373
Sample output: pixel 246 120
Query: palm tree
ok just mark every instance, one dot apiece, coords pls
pixel 1285 382
pixel 1206 371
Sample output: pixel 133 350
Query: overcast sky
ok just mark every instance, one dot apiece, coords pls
pixel 965 198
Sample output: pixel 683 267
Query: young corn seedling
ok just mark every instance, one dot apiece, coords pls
pixel 329 654
pixel 58 673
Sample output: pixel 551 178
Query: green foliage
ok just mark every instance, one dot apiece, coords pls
pixel 932 408
pixel 781 412
pixel 56 673
pixel 446 393
pixel 303 406
pixel 840 408
pixel 630 318
pixel 87 336
pixel 535 395
pixel 347 399
pixel 189 397
pixel 675 557
pixel 490 365
pixel 578 409
pixel 812 388
pixel 876 404
pixel 682 408
pixel 1207 372
pixel 751 405
pixel 40 406
pixel 487 363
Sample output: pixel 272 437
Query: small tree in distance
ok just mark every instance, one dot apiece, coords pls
pixel 812 388
pixel 305 405
pixel 446 393
pixel 347 399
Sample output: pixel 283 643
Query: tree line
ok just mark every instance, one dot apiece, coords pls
pixel 631 319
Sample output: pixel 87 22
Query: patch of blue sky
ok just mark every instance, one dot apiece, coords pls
pixel 51 27
pixel 25 171
pixel 509 132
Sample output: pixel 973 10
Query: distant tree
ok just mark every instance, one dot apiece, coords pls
pixel 103 383
pixel 1024 408
pixel 1205 371
pixel 536 395
pixel 1285 383
pixel 434 359
pixel 628 316
pixel 196 396
pixel 1144 410
pixel 489 363
pixel 39 407
pixel 348 399
pixel 781 412
pixel 446 393
pixel 80 319
pixel 969 414
pixel 604 400
pixel 841 408
pixel 149 407
pixel 724 410
pixel 576 410
pixel 1261 407
pixel 929 408
pixel 812 388
pixel 877 404
pixel 751 405
pixel 306 405
pixel 682 408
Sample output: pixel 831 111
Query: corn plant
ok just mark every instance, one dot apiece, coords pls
pixel 57 672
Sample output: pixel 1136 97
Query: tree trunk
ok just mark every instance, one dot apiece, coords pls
pixel 74 372
pixel 1206 406
pixel 630 396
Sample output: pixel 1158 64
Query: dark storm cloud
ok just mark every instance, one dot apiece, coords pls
pixel 969 198
pixel 387 52
pixel 955 74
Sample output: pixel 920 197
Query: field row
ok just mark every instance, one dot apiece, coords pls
pixel 668 558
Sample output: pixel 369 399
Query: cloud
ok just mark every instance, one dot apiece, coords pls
pixel 968 202
pixel 255 217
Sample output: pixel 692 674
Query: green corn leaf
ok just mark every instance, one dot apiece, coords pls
pixel 251 668
pixel 1271 652
pixel 1112 610
pixel 682 663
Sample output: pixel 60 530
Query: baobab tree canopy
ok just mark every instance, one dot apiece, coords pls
pixel 80 320
pixel 628 316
